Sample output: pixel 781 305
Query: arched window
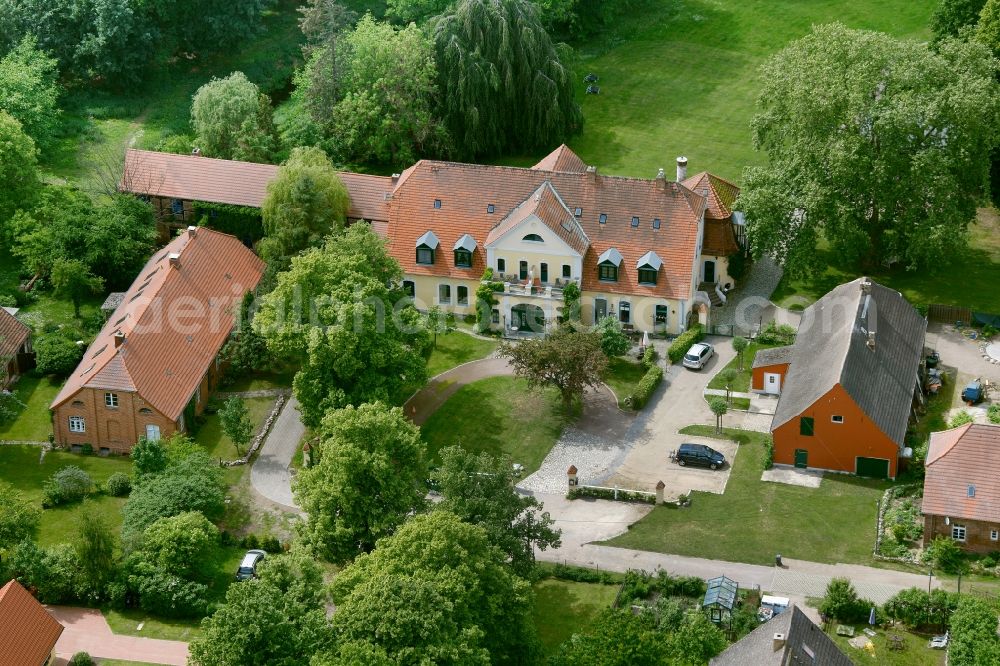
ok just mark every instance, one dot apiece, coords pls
pixel 533 238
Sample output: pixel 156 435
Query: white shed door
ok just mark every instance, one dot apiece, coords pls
pixel 772 383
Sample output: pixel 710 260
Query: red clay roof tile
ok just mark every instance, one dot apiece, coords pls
pixel 957 459
pixel 561 159
pixel 28 633
pixel 13 334
pixel 174 319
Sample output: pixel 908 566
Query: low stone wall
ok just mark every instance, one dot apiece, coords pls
pixel 262 434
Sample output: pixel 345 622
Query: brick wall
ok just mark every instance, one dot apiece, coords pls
pixel 977 534
pixel 117 429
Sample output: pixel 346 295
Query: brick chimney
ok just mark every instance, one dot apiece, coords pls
pixel 119 339
pixel 682 168
pixel 592 171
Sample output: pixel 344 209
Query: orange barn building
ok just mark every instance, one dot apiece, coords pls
pixel 769 369
pixel 849 388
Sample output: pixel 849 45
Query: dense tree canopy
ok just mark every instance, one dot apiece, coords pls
pixel 879 145
pixel 370 476
pixel 72 280
pixel 305 202
pixel 232 120
pixel 567 360
pixel 456 560
pixel 28 91
pixel 377 103
pixel 974 639
pixel 18 517
pixel 503 84
pixel 340 312
pixel 479 489
pixel 115 40
pixel 19 182
pixel 279 618
pixel 988 28
pixel 951 16
pixel 120 238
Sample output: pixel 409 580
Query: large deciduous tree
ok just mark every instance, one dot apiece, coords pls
pixel 370 476
pixel 951 16
pixel 305 202
pixel 28 90
pixel 340 313
pixel 283 610
pixel 232 119
pixel 877 144
pixel 439 553
pixel 72 280
pixel 384 86
pixel 479 489
pixel 119 239
pixel 19 182
pixel 503 83
pixel 988 27
pixel 18 517
pixel 567 360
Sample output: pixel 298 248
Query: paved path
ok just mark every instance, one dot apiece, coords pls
pixel 427 400
pixel 270 475
pixel 732 394
pixel 86 630
pixel 582 522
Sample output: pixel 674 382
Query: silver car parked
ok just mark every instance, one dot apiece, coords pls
pixel 698 355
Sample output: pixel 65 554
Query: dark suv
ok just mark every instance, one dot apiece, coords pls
pixel 699 455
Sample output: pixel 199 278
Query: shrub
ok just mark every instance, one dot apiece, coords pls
pixel 993 413
pixel 67 485
pixel 960 419
pixel 644 389
pixel 768 452
pixel 842 603
pixel 684 342
pixel 581 574
pixel 81 659
pixel 87 449
pixel 973 633
pixel 649 357
pixel 119 484
pixel 149 456
pixel 772 334
pixel 890 547
pixel 53 573
pixel 680 586
pixel 917 609
pixel 56 354
pixel 944 554
pixel 903 521
pixel 250 541
pixel 270 544
pixel 167 595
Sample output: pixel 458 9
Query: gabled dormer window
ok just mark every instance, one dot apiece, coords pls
pixel 463 258
pixel 425 255
pixel 607 272
pixel 648 268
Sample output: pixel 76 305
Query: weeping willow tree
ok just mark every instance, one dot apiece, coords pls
pixel 503 85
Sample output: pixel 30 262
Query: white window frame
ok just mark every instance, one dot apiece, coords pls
pixel 959 533
pixel 994 535
pixel 77 424
pixel 152 428
pixel 837 418
pixel 111 400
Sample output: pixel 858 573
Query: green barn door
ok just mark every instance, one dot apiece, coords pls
pixel 801 458
pixel 876 468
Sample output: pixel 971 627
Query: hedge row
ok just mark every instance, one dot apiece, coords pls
pixel 609 494
pixel 644 389
pixel 684 342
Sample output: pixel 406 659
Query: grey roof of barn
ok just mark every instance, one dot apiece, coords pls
pixel 804 643
pixel 831 348
pixel 772 356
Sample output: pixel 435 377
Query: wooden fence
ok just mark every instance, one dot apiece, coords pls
pixel 949 314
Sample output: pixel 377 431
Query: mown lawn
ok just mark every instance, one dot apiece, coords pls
pixel 969 279
pixel 622 376
pixel 914 653
pixel 34 423
pixel 455 349
pixel 563 608
pixel 753 520
pixel 261 381
pixel 218 444
pixel 20 467
pixel 680 77
pixel 499 415
pixel 741 384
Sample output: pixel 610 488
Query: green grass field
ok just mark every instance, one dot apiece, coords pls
pixel 218 444
pixel 622 376
pixel 499 414
pixel 680 77
pixel 563 608
pixel 455 349
pixel 33 424
pixel 914 653
pixel 754 519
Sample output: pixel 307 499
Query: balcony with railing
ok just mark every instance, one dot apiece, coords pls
pixel 515 286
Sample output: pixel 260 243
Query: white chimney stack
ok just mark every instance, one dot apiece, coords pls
pixel 778 642
pixel 660 175
pixel 192 230
pixel 175 259
pixel 682 168
pixel 866 285
pixel 871 339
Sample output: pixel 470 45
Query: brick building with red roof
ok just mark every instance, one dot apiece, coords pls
pixel 153 366
pixel 16 355
pixel 28 634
